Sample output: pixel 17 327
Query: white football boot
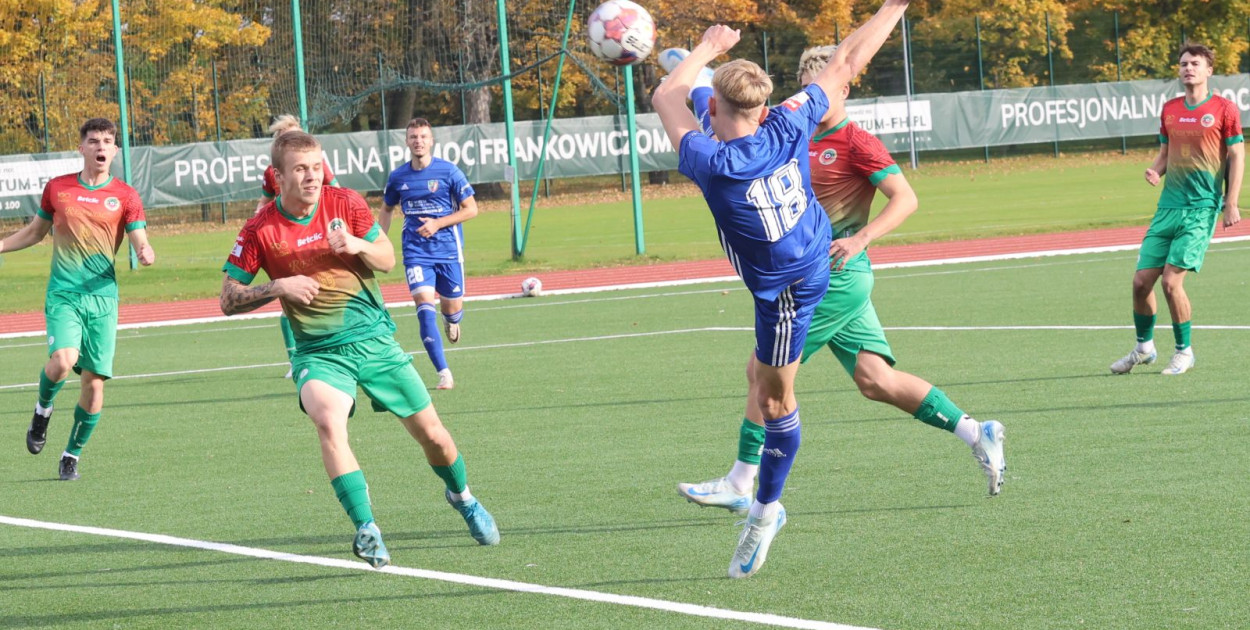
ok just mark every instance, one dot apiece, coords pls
pixel 718 493
pixel 1180 363
pixel 988 451
pixel 1134 358
pixel 757 536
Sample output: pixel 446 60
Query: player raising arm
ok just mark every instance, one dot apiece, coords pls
pixel 321 246
pixel 755 178
pixel 90 211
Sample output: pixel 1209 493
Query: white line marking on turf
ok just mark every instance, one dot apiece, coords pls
pixel 667 283
pixel 455 578
pixel 680 331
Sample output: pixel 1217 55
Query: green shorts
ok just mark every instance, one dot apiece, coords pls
pixel 847 322
pixel 85 322
pixel 1178 237
pixel 378 365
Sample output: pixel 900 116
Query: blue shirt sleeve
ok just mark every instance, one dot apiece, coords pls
pixel 694 156
pixel 805 109
pixel 390 196
pixel 461 189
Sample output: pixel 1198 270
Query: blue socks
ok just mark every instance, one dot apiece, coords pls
pixel 781 445
pixel 430 337
pixel 454 318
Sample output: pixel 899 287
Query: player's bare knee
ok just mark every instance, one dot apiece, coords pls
pixel 60 364
pixel 871 387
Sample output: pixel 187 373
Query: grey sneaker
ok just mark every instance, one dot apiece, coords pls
pixel 69 468
pixel 988 451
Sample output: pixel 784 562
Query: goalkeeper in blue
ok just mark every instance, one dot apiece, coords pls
pixel 756 179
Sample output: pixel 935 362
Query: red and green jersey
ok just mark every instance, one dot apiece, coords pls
pixel 349 306
pixel 1198 138
pixel 269 181
pixel 847 163
pixel 87 227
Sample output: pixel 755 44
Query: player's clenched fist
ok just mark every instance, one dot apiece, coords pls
pixel 343 243
pixel 300 289
pixel 1152 177
pixel 722 37
pixel 146 255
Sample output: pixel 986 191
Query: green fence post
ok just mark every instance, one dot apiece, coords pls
pixel 1050 60
pixel 510 172
pixel 616 86
pixel 301 88
pixel 542 111
pixel 1116 21
pixel 464 107
pixel 43 106
pixel 764 46
pixel 119 57
pixel 632 129
pixel 382 98
pixel 981 74
pixel 217 119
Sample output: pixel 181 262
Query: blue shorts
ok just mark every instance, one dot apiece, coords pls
pixel 781 325
pixel 447 278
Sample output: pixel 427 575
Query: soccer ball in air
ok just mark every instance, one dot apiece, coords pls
pixel 531 287
pixel 620 32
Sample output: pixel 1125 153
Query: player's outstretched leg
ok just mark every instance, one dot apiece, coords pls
pixel 700 91
pixel 755 541
pixel 440 451
pixel 37 434
pixel 427 318
pixel 733 491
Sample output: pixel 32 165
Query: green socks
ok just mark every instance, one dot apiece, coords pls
pixel 1145 325
pixel 750 442
pixel 1181 331
pixel 353 494
pixel 937 410
pixel 47 389
pixel 288 336
pixel 453 475
pixel 84 424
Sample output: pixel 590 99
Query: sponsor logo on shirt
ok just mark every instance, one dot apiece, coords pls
pixel 404 187
pixel 280 248
pixel 828 156
pixel 1208 120
pixel 795 102
pixel 237 251
pixel 112 204
pixel 88 199
pixel 62 196
pixel 308 239
pixel 432 185
pixel 1188 120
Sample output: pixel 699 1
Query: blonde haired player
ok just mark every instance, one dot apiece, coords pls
pixel 268 190
pixel 756 180
pixel 848 166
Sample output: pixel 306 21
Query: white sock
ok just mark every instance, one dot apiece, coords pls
pixel 460 497
pixel 764 511
pixel 1146 347
pixel 967 430
pixel 66 454
pixel 41 410
pixel 1188 350
pixel 742 476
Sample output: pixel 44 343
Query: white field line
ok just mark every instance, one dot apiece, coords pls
pixel 680 331
pixel 668 283
pixel 455 578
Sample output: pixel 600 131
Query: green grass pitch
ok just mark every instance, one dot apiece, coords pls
pixel 1125 504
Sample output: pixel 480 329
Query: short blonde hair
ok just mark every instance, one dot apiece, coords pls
pixel 294 141
pixel 283 124
pixel 742 85
pixel 814 60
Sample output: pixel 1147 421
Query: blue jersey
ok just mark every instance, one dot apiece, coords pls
pixel 758 188
pixel 432 192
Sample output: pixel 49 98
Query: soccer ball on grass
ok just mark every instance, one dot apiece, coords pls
pixel 620 32
pixel 531 287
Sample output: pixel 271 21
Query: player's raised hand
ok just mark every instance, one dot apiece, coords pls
pixel 429 226
pixel 300 289
pixel 1152 177
pixel 341 242
pixel 146 255
pixel 721 37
